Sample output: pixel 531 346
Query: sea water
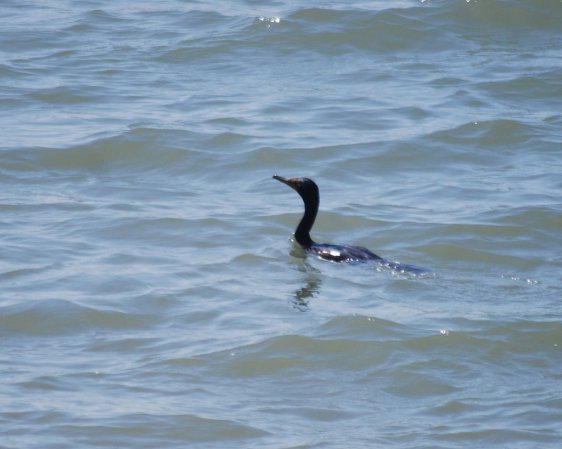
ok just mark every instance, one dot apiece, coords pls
pixel 150 293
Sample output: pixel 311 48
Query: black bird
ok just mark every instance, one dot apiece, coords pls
pixel 308 190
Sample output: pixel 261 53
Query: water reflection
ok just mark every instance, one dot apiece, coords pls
pixel 311 280
pixel 302 296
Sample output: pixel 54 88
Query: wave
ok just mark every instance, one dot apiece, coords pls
pixel 139 148
pixel 427 27
pixel 61 317
pixel 364 346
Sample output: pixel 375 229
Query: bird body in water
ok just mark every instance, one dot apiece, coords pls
pixel 308 190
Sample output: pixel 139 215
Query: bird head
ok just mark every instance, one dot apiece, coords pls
pixel 304 186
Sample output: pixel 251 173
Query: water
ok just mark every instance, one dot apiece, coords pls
pixel 150 293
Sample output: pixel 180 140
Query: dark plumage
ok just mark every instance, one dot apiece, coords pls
pixel 308 190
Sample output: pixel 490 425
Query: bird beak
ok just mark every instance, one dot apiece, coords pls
pixel 290 182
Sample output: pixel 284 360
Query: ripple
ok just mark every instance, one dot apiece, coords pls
pixel 151 294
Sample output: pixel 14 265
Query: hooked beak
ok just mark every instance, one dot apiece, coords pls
pixel 291 182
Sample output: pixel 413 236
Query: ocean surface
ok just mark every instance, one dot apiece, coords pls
pixel 151 295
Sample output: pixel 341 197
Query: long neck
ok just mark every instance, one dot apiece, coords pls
pixel 302 233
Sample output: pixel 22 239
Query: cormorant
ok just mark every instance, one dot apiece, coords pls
pixel 308 190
